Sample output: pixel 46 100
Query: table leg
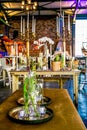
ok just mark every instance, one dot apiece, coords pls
pixel 4 76
pixel 14 83
pixel 75 82
pixel 61 82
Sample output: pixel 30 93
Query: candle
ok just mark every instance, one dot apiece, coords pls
pixel 32 24
pixel 21 25
pixel 68 22
pixel 64 44
pixel 28 21
pixel 63 18
pixel 57 24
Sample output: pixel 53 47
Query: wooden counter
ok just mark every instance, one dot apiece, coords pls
pixel 73 73
pixel 65 117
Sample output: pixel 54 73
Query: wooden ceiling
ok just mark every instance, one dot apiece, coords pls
pixel 11 8
pixel 45 7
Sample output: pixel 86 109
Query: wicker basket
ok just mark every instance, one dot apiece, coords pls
pixel 56 65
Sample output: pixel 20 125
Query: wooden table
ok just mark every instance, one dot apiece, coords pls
pixel 65 116
pixel 73 73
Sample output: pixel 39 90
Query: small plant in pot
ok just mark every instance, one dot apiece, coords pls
pixel 56 64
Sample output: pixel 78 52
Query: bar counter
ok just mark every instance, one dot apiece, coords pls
pixel 65 116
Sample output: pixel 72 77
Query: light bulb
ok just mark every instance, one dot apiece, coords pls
pixel 35 3
pixel 22 6
pixel 27 7
pixel 29 1
pixel 23 2
pixel 34 7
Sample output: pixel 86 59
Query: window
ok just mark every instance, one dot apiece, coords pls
pixel 80 35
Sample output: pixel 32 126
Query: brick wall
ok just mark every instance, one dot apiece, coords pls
pixel 45 26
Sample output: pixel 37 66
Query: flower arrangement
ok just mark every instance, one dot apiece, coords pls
pixel 30 91
pixel 32 95
pixel 46 39
pixel 41 42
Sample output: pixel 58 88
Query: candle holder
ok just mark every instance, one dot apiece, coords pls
pixel 69 36
pixel 33 36
pixel 58 34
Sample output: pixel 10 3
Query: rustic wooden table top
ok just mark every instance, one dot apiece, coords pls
pixel 65 117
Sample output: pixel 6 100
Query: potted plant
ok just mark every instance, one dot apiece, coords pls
pixel 56 64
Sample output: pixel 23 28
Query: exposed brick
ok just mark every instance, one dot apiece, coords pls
pixel 45 26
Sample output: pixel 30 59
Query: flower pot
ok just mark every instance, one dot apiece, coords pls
pixel 56 65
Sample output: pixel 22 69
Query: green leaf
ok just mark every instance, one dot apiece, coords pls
pixel 57 58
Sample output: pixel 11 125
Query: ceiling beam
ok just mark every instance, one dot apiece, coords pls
pixel 16 1
pixel 43 8
pixel 4 1
pixel 2 10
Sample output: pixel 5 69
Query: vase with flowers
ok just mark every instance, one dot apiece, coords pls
pixel 32 95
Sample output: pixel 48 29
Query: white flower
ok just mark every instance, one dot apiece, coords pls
pixel 35 42
pixel 46 39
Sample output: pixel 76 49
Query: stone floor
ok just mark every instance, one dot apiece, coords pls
pixel 82 95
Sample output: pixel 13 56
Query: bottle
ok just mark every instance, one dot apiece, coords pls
pixel 49 62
